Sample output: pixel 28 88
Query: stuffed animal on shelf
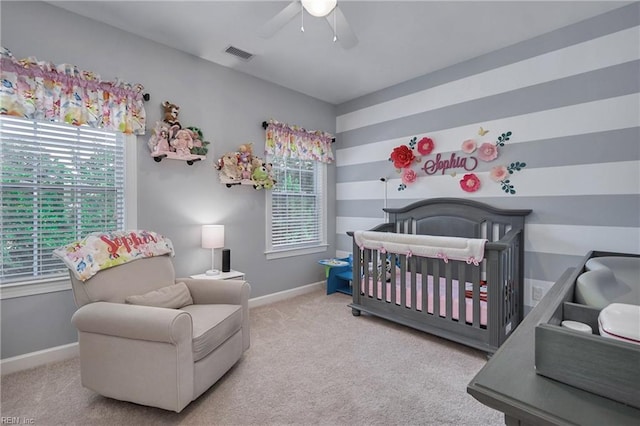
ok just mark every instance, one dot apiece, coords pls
pixel 246 171
pixel 245 154
pixel 182 142
pixel 159 140
pixel 243 168
pixel 171 113
pixel 261 178
pixel 199 145
pixel 229 168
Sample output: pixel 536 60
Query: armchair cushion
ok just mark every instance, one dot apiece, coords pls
pixel 174 296
pixel 212 326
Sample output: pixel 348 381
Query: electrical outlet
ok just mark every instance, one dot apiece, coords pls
pixel 537 293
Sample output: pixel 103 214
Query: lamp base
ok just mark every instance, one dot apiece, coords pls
pixel 212 272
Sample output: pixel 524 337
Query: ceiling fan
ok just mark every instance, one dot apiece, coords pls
pixel 320 8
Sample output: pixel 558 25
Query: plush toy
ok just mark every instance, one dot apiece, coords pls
pixel 171 113
pixel 229 167
pixel 262 178
pixel 246 152
pixel 199 146
pixel 183 142
pixel 256 163
pixel 385 270
pixel 259 176
pixel 246 171
pixel 159 140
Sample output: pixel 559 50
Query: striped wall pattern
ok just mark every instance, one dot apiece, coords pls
pixel 571 99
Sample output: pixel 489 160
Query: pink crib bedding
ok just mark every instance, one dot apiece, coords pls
pixel 442 294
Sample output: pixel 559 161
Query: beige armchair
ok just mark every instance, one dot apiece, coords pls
pixel 157 356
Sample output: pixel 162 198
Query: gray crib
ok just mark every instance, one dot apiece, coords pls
pixel 424 292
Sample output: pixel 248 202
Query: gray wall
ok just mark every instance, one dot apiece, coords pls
pixel 173 198
pixel 570 97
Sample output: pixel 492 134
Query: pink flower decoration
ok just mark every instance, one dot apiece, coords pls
pixel 408 176
pixel 469 146
pixel 499 173
pixel 425 146
pixel 470 183
pixel 488 152
pixel 402 156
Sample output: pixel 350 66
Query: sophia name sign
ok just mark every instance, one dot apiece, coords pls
pixel 431 167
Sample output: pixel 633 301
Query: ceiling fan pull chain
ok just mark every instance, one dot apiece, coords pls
pixel 335 26
pixel 302 17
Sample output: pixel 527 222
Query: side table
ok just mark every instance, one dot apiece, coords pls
pixel 231 275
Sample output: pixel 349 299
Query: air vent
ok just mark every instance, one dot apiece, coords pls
pixel 245 56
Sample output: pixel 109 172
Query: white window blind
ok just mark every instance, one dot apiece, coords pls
pixel 59 183
pixel 296 204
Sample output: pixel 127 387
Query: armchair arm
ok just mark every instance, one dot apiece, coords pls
pixel 233 292
pixel 134 322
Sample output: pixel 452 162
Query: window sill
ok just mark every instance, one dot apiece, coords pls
pixel 279 254
pixel 32 288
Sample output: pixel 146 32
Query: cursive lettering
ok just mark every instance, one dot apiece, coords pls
pixel 131 241
pixel 432 167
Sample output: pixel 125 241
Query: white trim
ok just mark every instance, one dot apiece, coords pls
pixel 131 182
pixel 34 287
pixel 279 254
pixel 38 358
pixel 31 288
pixel 284 295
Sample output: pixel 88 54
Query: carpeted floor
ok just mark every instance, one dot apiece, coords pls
pixel 310 362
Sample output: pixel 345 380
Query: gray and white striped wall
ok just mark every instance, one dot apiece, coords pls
pixel 571 98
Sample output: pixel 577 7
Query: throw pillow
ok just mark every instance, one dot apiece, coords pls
pixel 174 296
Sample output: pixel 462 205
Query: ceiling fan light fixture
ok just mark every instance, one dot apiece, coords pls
pixel 319 8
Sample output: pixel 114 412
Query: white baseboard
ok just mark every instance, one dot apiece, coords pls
pixel 60 353
pixel 286 294
pixel 38 358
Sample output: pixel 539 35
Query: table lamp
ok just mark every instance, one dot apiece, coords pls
pixel 213 238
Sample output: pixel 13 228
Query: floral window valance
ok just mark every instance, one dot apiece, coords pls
pixel 44 91
pixel 288 141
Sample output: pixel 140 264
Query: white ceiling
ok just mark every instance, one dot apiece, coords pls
pixel 398 40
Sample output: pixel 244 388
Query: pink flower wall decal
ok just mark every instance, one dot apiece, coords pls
pixel 487 152
pixel 469 146
pixel 408 176
pixel 425 146
pixel 470 183
pixel 499 173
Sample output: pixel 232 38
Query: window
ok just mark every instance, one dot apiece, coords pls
pixel 296 207
pixel 58 184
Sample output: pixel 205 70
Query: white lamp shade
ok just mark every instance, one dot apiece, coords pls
pixel 319 8
pixel 212 236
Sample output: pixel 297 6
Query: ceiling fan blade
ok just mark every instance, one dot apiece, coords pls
pixel 346 36
pixel 272 26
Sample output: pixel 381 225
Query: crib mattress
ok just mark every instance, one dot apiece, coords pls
pixel 442 293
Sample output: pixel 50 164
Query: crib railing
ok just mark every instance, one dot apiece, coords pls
pixel 475 305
